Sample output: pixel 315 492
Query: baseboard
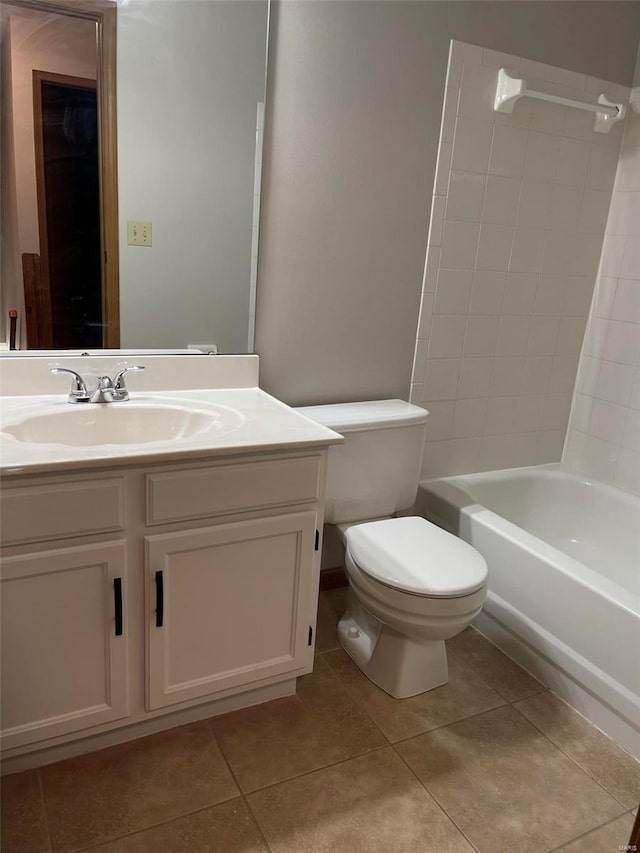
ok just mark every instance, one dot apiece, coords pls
pixel 332 578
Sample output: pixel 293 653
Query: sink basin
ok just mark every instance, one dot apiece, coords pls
pixel 84 425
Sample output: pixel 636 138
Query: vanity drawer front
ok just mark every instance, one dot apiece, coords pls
pixel 59 510
pixel 232 487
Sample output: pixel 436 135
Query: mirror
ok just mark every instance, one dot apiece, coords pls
pixel 140 233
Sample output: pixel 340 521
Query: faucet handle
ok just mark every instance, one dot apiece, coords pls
pixel 119 385
pixel 78 392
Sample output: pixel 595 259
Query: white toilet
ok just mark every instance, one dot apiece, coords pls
pixel 411 585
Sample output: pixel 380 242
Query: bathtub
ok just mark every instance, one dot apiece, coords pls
pixel 564 582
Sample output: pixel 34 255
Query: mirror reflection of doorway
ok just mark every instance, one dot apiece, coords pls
pixel 67 177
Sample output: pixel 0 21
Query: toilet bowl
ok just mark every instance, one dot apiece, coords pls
pixel 411 587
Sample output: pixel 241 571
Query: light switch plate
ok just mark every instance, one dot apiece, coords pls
pixel 138 233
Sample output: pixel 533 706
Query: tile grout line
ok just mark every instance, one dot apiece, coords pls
pixel 434 798
pixel 44 807
pixel 510 659
pixel 351 698
pixel 154 825
pixel 594 829
pixel 450 723
pixel 238 796
pixel 241 794
pixel 505 703
pixel 573 760
pixel 254 817
pixel 554 849
pixel 237 784
pixel 317 769
pixel 468 666
pixel 336 678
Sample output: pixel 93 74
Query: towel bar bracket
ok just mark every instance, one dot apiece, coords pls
pixel 511 88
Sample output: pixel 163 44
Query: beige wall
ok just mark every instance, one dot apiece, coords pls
pixel 354 101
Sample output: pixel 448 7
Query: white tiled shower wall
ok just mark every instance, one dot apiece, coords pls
pixel 604 431
pixel 519 211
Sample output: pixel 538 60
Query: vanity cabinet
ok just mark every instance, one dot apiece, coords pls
pixel 64 643
pixel 180 584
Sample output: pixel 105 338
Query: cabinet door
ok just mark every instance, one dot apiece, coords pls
pixel 228 606
pixel 64 653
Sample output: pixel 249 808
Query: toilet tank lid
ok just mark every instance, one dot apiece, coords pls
pixel 377 414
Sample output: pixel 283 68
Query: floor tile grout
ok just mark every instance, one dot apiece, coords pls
pixel 508 656
pixel 505 702
pixel 433 796
pixel 237 784
pixel 43 800
pixel 335 677
pixel 317 769
pixel 450 723
pixel 224 757
pixel 355 700
pixel 589 831
pixel 389 744
pixel 257 823
pixel 465 665
pixel 155 825
pixel 573 760
pixel 238 796
pixel 462 662
pixel 626 810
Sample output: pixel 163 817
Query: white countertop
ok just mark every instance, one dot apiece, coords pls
pixel 264 424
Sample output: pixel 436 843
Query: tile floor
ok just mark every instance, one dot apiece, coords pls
pixel 490 762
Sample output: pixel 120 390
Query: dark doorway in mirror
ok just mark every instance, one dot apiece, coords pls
pixel 68 182
pixel 59 266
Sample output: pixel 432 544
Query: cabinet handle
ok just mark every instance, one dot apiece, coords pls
pixel 117 600
pixel 159 600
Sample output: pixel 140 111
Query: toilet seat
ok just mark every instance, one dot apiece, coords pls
pixel 414 556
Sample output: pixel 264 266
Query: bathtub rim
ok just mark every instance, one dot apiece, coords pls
pixel 441 487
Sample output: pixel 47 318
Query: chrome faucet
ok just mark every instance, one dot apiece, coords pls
pixel 78 392
pixel 107 390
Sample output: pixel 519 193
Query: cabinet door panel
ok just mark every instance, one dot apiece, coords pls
pixel 63 667
pixel 236 606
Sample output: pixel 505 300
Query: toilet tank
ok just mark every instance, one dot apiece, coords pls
pixel 376 471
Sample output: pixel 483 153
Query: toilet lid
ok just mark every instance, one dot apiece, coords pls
pixel 413 555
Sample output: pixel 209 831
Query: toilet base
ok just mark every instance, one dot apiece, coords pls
pixel 400 665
